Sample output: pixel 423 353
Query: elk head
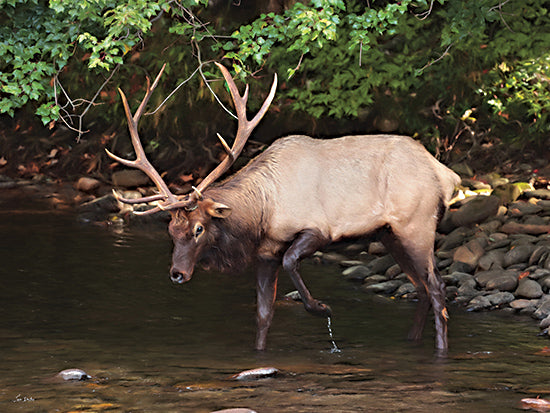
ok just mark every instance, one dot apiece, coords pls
pixel 192 213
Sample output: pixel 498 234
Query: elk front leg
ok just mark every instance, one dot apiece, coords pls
pixel 266 291
pixel 303 246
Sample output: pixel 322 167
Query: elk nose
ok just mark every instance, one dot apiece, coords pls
pixel 179 277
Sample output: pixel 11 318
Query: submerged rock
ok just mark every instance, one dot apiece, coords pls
pixel 255 374
pixel 73 374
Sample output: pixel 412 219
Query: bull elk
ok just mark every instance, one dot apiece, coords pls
pixel 300 195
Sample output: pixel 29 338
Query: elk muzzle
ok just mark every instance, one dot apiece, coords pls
pixel 179 277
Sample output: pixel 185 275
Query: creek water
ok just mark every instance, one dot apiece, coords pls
pixel 76 295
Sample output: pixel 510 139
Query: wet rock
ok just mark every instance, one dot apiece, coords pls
pixel 522 303
pixel 73 374
pixel 545 322
pixel 87 185
pixel 501 298
pixel 405 289
pixel 498 280
pixel 528 288
pixel 519 254
pixel 374 279
pixel 356 273
pixel 476 210
pixel 543 310
pixel 479 303
pixel 129 178
pixel 255 374
pixel 386 287
pixel 467 291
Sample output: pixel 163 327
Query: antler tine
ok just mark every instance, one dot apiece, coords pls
pixel 245 127
pixel 141 162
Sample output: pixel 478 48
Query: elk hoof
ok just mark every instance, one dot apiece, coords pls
pixel 319 309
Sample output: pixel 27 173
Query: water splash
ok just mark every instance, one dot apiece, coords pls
pixel 334 348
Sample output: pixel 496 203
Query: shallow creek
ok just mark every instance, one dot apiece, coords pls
pixel 76 295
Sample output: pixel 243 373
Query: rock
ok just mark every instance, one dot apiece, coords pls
pixel 255 374
pixel 528 288
pixel 386 287
pixel 519 209
pixel 479 303
pixel 377 248
pixel 497 279
pixel 235 410
pixel 381 264
pixel 73 374
pixel 458 278
pixel 543 310
pixel 501 298
pixel 540 274
pixel 87 185
pixel 476 210
pixel 470 253
pixel 393 271
pixel 454 239
pixel 545 322
pixel 293 295
pixel 130 178
pixel 539 254
pixel 351 263
pixel 405 289
pixel 518 254
pixel 356 273
pixel 512 227
pixel 374 279
pixel 492 260
pixel 538 193
pixel 466 292
pixel 458 266
pixel 522 303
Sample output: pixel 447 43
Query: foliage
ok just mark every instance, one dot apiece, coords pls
pixel 401 58
pixel 38 38
pixel 439 68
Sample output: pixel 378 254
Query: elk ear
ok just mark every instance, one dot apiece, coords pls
pixel 218 210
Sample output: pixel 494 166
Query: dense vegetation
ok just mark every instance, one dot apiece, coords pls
pixel 444 70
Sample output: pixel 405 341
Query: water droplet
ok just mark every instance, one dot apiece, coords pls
pixel 334 348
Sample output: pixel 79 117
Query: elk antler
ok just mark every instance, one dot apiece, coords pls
pixel 167 199
pixel 142 163
pixel 244 129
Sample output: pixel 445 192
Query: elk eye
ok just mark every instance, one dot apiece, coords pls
pixel 199 229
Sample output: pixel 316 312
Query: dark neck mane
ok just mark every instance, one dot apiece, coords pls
pixel 234 240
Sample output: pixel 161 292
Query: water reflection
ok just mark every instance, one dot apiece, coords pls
pixel 84 296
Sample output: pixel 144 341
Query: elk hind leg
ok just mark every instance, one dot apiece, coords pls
pixel 305 244
pixel 266 292
pixel 417 261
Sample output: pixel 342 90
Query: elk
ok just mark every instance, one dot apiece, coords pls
pixel 300 195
